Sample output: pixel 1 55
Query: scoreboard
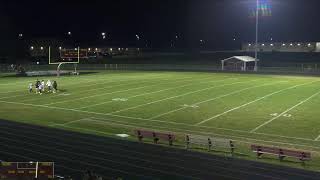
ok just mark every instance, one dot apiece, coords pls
pixel 70 53
pixel 26 170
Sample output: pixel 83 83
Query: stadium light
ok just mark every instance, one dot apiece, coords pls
pixel 41 48
pixel 249 44
pixel 103 34
pixel 138 37
pixel 96 49
pixel 119 49
pixel 283 44
pixel 89 49
pixel 309 44
pixel 256 45
pixel 75 49
pixel 262 44
pixel 69 33
pixel 299 44
pixel 110 49
pixel 20 35
pixel 60 47
pixel 31 47
pixel 271 44
pixel 291 44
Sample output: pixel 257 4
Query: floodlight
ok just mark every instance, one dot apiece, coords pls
pixel 262 44
pixel 69 33
pixel 271 44
pixel 249 44
pixel 60 48
pixel 309 44
pixel 291 44
pixel 89 49
pixel 41 48
pixel 31 47
pixel 299 44
pixel 103 34
pixel 283 44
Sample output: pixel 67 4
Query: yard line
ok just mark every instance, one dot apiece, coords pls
pixel 96 95
pixel 27 100
pixel 317 139
pixel 95 82
pixel 142 119
pixel 93 105
pixel 284 112
pixel 256 100
pixel 212 99
pixel 172 97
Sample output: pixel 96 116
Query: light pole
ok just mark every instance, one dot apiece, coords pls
pixel 256 45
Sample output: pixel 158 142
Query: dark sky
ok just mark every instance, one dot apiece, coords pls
pixel 159 21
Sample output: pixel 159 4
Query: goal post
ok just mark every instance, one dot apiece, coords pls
pixel 59 56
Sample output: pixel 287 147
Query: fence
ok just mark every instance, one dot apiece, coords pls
pixel 305 68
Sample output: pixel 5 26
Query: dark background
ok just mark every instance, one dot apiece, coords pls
pixel 157 22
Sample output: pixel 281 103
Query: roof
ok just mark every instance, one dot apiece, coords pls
pixel 241 58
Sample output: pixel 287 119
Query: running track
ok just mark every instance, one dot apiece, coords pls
pixel 73 153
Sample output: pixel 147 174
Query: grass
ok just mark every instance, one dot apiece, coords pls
pixel 263 109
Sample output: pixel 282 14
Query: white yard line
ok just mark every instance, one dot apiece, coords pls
pixel 317 139
pixel 142 119
pixel 256 100
pixel 97 95
pixel 6 97
pixel 94 89
pixel 284 112
pixel 212 99
pixel 172 97
pixel 91 84
pixel 93 105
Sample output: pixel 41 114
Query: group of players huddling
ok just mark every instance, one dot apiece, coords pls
pixel 40 86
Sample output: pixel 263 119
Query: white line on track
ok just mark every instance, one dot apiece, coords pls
pixel 212 99
pixel 317 138
pixel 256 100
pixel 284 112
pixel 142 119
pixel 93 105
pixel 172 97
pixel 179 130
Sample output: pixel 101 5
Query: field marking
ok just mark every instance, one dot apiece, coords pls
pixel 96 95
pixel 212 99
pixel 284 112
pixel 93 105
pixel 150 120
pixel 109 87
pixel 317 138
pixel 256 100
pixel 172 97
pixel 94 81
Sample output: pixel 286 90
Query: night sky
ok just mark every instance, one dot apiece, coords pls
pixel 158 22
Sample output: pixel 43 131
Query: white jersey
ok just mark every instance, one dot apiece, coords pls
pixel 49 84
pixel 30 86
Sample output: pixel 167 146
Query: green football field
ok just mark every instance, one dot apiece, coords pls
pixel 262 109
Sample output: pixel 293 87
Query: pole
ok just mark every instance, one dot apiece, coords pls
pixel 256 45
